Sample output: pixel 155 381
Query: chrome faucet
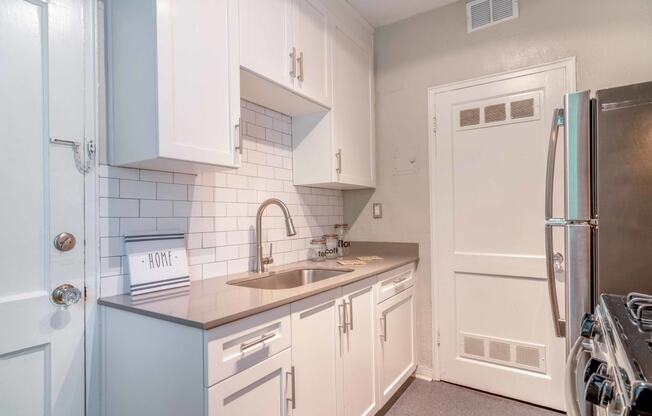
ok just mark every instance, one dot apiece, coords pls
pixel 261 261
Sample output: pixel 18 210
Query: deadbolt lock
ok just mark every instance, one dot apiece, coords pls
pixel 65 241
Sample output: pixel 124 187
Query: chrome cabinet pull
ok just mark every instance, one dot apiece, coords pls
pixel 341 311
pixel 350 314
pixel 293 56
pixel 300 61
pixel 238 135
pixel 293 397
pixel 383 326
pixel 399 281
pixel 260 340
pixel 338 155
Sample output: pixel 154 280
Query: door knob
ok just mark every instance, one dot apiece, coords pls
pixel 65 295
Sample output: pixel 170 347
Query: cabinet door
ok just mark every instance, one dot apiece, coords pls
pixel 358 363
pixel 266 39
pixel 395 342
pixel 198 80
pixel 262 390
pixel 313 63
pixel 353 130
pixel 316 340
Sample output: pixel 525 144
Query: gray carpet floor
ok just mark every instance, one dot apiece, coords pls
pixel 423 398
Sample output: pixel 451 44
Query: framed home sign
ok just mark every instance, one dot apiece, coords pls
pixel 157 262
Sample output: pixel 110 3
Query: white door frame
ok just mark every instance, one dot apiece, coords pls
pixel 567 63
pixel 91 213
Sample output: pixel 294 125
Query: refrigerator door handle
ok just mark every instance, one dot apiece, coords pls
pixel 557 121
pixel 559 324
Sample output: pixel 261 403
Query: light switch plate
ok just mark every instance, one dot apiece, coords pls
pixel 378 210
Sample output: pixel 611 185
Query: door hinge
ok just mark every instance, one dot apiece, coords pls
pixel 438 339
pixel 85 293
pixel 434 124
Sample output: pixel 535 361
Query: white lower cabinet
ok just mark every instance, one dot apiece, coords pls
pixel 262 390
pixel 396 353
pixel 358 353
pixel 316 341
pixel 343 352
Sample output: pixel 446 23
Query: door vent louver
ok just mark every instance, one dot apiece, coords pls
pixel 526 356
pixel 485 13
pixel 493 112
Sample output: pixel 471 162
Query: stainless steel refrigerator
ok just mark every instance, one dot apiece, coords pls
pixel 607 221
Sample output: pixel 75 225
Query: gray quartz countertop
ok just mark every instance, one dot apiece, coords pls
pixel 212 302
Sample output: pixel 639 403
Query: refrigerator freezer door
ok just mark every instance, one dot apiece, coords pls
pixel 577 168
pixel 578 278
pixel 624 189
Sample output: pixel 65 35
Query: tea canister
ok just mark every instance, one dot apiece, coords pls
pixel 317 251
pixel 331 245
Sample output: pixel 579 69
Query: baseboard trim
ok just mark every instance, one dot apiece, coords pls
pixel 423 373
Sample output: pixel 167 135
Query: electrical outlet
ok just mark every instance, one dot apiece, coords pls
pixel 378 210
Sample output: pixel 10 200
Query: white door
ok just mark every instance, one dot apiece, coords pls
pixel 198 80
pixel 353 109
pixel 396 347
pixel 495 323
pixel 313 63
pixel 317 324
pixel 262 390
pixel 266 39
pixel 358 357
pixel 42 90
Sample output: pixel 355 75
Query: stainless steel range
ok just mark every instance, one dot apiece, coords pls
pixel 616 378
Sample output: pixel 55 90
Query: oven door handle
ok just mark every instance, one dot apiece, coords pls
pixel 573 407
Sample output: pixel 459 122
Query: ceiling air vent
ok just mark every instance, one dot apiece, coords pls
pixel 485 13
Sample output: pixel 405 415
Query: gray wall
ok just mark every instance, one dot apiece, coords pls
pixel 612 40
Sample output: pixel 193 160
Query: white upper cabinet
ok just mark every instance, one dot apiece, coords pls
pixel 174 86
pixel 312 54
pixel 286 42
pixel 335 149
pixel 266 39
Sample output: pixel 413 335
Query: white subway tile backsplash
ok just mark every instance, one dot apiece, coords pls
pixel 216 209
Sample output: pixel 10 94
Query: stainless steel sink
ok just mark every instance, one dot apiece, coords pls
pixel 291 278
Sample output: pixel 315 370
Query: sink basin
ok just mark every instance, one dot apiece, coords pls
pixel 292 278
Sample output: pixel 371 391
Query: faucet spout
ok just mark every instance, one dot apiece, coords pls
pixel 261 261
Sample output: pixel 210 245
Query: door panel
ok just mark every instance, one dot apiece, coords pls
pixel 352 108
pixel 311 36
pixel 358 360
pixel 491 145
pixel 198 80
pixel 266 38
pixel 316 342
pixel 42 80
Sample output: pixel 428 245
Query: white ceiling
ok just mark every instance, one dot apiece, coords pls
pixel 383 12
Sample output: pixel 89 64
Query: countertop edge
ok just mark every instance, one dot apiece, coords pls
pixel 255 310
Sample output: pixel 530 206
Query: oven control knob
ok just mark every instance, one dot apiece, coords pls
pixel 589 326
pixel 599 390
pixel 594 366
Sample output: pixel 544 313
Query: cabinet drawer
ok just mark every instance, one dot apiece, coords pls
pixel 394 281
pixel 239 345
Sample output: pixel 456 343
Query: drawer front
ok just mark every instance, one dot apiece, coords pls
pixel 234 347
pixel 394 281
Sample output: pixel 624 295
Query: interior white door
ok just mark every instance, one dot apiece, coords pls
pixel 42 90
pixel 358 355
pixel 198 80
pixel 266 39
pixel 313 63
pixel 262 390
pixel 496 331
pixel 395 342
pixel 353 109
pixel 316 342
